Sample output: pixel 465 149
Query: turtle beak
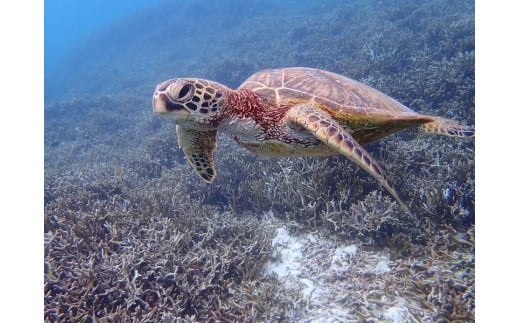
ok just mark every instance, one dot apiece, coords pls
pixel 161 101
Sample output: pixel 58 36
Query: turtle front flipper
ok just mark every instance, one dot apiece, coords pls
pixel 198 146
pixel 331 133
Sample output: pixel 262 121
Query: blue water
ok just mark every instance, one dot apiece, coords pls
pixel 69 22
pixel 86 40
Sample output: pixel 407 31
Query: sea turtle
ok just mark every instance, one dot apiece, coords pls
pixel 295 111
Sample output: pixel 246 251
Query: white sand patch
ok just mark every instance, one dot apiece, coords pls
pixel 396 314
pixel 333 278
pixel 382 267
pixel 288 254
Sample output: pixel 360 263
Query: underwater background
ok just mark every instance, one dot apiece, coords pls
pixel 132 234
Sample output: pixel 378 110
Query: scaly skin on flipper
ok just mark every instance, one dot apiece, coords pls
pixel 447 127
pixel 198 146
pixel 326 129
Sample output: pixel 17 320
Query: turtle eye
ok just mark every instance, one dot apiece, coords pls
pixel 184 92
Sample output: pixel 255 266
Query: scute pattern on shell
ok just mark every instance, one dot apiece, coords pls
pixel 327 90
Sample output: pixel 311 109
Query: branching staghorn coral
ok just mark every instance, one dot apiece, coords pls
pixel 113 253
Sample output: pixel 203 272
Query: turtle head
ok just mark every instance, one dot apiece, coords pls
pixel 188 102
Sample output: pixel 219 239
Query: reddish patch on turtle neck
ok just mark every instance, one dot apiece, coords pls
pixel 245 103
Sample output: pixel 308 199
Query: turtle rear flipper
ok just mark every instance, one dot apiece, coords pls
pixel 198 146
pixel 447 127
pixel 331 133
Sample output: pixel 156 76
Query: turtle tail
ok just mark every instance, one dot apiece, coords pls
pixel 447 127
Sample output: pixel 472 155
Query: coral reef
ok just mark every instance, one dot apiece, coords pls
pixel 115 251
pixel 131 233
